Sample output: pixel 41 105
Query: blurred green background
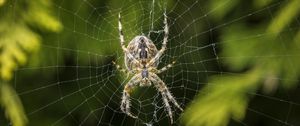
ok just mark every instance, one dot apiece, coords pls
pixel 238 62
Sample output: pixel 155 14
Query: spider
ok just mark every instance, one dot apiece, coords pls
pixel 142 59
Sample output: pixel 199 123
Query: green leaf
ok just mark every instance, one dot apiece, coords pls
pixel 10 101
pixel 2 2
pixel 225 97
pixel 240 40
pixel 262 3
pixel 284 17
pixel 264 55
pixel 39 15
pixel 222 7
pixel 17 40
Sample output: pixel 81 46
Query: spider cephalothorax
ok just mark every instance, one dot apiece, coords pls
pixel 142 59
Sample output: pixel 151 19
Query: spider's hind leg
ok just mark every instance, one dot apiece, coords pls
pixel 166 95
pixel 125 104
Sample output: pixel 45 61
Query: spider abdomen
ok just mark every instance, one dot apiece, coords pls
pixel 143 50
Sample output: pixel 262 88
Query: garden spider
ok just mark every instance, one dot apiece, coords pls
pixel 142 59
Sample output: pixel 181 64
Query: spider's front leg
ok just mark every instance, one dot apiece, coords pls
pixel 165 68
pixel 166 95
pixel 125 71
pixel 125 104
pixel 164 44
pixel 119 67
pixel 122 41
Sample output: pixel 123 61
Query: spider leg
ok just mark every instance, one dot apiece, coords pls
pixel 121 34
pixel 165 99
pixel 166 95
pixel 168 107
pixel 119 67
pixel 164 44
pixel 166 30
pixel 122 41
pixel 125 104
pixel 161 85
pixel 165 68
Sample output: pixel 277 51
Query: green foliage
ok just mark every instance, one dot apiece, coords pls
pixel 12 105
pixel 1 2
pixel 262 53
pixel 16 38
pixel 17 41
pixel 39 15
pixel 222 7
pixel 284 17
pixel 224 97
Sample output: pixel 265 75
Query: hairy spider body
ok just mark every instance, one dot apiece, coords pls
pixel 143 50
pixel 142 59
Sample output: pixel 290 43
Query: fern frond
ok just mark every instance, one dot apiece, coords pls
pixel 17 42
pixel 11 103
pixel 225 97
pixel 264 56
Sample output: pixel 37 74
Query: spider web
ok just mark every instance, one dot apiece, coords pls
pixel 76 83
